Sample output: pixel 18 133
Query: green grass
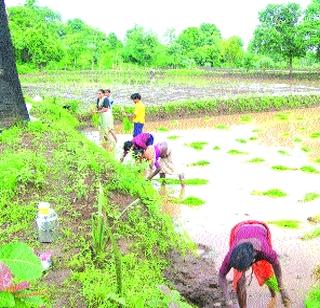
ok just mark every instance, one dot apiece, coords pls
pixel 237 152
pixel 192 201
pixel 174 137
pixel 287 224
pixel 194 181
pixel 297 140
pixel 162 129
pixel 216 148
pixel 221 126
pixel 305 149
pixel 246 118
pixel 311 197
pixel 283 152
pixel 315 135
pixel 313 298
pixel 282 168
pixel 282 116
pixel 253 138
pixel 241 140
pixel 309 169
pixel 200 163
pixel 256 160
pixel 312 234
pixel 198 145
pixel 272 193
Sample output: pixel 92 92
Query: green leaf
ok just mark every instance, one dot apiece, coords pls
pixel 21 260
pixel 6 299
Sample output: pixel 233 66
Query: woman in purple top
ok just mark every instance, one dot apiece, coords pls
pixel 138 144
pixel 250 245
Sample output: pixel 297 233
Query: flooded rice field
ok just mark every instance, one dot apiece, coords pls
pixel 258 166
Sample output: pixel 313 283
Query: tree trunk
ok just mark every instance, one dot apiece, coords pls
pixel 290 66
pixel 12 106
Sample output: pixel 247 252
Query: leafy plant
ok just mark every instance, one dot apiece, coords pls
pixel 315 135
pixel 288 224
pixel 162 129
pixel 200 163
pixel 312 234
pixel 246 118
pixel 221 126
pixel 311 197
pixel 282 168
pixel 241 140
pixel 18 267
pixel 216 148
pixel 199 145
pixel 174 137
pixel 283 152
pixel 309 169
pixel 192 201
pixel 256 160
pixel 237 152
pixel 127 125
pixel 273 193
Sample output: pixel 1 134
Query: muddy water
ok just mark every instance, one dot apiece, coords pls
pixel 232 179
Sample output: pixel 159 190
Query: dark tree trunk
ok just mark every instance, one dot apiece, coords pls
pixel 12 106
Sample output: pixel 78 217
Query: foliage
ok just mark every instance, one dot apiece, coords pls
pixel 288 224
pixel 313 298
pixel 18 267
pixel 272 193
pixel 282 168
pixel 192 201
pixel 197 145
pixel 309 169
pixel 200 163
pixel 312 234
pixel 279 32
pixel 311 197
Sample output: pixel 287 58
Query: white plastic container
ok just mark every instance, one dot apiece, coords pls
pixel 47 222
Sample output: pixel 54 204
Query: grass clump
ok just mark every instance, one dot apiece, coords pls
pixel 282 116
pixel 256 160
pixel 237 152
pixel 272 193
pixel 313 298
pixel 309 169
pixel 287 224
pixel 282 168
pixel 221 126
pixel 315 135
pixel 245 118
pixel 253 138
pixel 241 140
pixel 216 148
pixel 297 140
pixel 200 163
pixel 192 201
pixel 194 181
pixel 305 149
pixel 312 234
pixel 163 129
pixel 198 145
pixel 174 137
pixel 283 152
pixel 311 197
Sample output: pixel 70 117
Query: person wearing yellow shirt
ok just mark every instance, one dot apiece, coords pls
pixel 138 115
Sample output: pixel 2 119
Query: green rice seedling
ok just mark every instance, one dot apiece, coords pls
pixel 305 149
pixel 221 126
pixel 194 181
pixel 282 116
pixel 288 224
pixel 282 168
pixel 297 140
pixel 237 152
pixel 162 129
pixel 174 137
pixel 200 163
pixel 217 148
pixel 241 140
pixel 253 138
pixel 198 145
pixel 311 197
pixel 256 160
pixel 283 152
pixel 245 118
pixel 309 169
pixel 313 298
pixel 192 201
pixel 272 193
pixel 315 135
pixel 312 234
pixel 256 130
pixel 127 125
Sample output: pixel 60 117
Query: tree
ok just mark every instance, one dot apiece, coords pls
pixel 232 51
pixel 311 27
pixel 12 105
pixel 279 32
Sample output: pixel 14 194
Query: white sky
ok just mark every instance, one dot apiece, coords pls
pixel 232 17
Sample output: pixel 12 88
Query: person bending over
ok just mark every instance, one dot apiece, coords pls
pixel 250 246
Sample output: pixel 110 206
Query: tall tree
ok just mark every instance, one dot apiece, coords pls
pixel 12 106
pixel 279 32
pixel 311 27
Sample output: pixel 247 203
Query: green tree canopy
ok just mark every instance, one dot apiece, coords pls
pixel 279 32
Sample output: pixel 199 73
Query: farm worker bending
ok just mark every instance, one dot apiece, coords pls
pixel 138 115
pixel 160 158
pixel 138 144
pixel 250 246
pixel 105 115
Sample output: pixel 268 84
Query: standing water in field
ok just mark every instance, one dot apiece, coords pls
pixel 249 167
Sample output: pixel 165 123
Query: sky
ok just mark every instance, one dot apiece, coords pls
pixel 232 17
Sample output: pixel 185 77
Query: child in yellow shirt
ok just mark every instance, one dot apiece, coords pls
pixel 138 115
